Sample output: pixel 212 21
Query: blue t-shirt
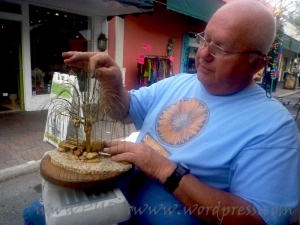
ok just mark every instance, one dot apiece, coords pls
pixel 244 143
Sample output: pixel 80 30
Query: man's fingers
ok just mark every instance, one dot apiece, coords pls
pixel 76 59
pixel 118 147
pixel 98 65
pixel 79 59
pixel 113 143
pixel 118 154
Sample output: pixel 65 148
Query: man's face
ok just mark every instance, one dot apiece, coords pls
pixel 222 76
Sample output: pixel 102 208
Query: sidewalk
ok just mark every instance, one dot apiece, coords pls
pixel 21 138
pixel 281 93
pixel 21 142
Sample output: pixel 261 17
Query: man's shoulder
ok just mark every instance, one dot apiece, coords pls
pixel 186 75
pixel 181 77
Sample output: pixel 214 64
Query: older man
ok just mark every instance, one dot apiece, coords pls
pixel 208 152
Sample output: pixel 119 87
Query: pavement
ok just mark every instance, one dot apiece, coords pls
pixel 21 136
pixel 21 142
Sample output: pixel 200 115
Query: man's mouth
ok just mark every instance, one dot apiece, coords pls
pixel 204 69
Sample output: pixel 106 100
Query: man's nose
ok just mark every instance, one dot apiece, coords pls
pixel 205 53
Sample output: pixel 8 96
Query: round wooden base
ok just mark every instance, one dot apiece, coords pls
pixel 66 178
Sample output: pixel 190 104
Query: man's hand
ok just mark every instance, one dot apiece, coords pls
pixel 145 158
pixel 99 65
pixel 115 98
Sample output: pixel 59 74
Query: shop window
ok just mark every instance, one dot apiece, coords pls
pixel 10 64
pixel 10 7
pixel 51 33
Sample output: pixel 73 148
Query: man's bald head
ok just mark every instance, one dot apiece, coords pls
pixel 252 20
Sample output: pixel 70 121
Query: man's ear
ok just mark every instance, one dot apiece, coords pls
pixel 252 58
pixel 258 62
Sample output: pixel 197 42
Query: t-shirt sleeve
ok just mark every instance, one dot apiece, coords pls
pixel 143 99
pixel 268 178
pixel 140 102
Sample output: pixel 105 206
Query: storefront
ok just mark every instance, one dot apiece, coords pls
pixel 33 36
pixel 42 30
pixel 289 56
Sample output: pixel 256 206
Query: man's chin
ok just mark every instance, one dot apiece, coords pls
pixel 204 78
pixel 211 86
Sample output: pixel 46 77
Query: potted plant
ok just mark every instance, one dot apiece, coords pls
pixel 37 78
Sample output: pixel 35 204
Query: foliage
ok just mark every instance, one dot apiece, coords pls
pixel 294 16
pixel 274 51
pixel 37 74
pixel 284 11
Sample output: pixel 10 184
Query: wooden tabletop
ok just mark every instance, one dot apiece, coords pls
pixel 66 178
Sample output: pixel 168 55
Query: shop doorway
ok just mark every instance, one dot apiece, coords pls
pixel 51 33
pixel 11 78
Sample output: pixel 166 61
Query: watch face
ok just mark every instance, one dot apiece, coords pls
pixel 184 165
pixel 183 169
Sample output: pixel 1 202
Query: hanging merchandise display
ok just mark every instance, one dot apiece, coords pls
pixel 170 47
pixel 155 68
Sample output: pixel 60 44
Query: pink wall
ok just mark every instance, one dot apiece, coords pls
pixel 156 31
pixel 111 38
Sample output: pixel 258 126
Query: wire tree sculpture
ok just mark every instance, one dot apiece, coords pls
pixel 85 109
pixel 81 106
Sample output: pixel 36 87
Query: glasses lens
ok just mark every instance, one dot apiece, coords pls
pixel 200 40
pixel 216 51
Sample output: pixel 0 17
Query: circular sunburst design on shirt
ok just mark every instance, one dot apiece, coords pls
pixel 181 122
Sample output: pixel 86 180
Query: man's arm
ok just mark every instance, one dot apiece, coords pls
pixel 210 205
pixel 214 206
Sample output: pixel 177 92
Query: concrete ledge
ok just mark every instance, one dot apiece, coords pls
pixel 19 170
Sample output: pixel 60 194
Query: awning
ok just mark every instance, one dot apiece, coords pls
pixel 143 5
pixel 200 9
pixel 290 43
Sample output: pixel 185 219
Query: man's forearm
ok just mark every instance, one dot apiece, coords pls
pixel 214 206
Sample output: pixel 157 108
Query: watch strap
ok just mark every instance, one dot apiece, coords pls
pixel 172 181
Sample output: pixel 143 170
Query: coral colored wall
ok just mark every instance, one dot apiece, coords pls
pixel 155 30
pixel 111 38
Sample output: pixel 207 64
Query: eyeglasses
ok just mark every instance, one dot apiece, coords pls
pixel 218 52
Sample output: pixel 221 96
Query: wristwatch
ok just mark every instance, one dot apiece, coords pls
pixel 172 181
